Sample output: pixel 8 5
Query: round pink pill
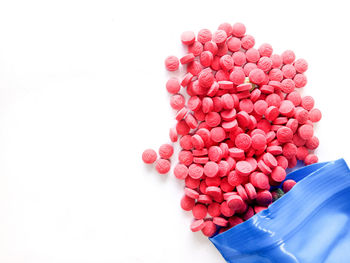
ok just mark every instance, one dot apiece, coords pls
pixel 172 63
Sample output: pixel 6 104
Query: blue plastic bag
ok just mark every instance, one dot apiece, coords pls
pixel 311 223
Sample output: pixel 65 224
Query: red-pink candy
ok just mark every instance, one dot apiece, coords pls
pixel 204 35
pixel 248 67
pixel 226 210
pixel 271 113
pixel 252 55
pixel 212 91
pixel 246 105
pixel 188 58
pixel 238 30
pixel 211 169
pixel 241 191
pixel 273 100
pixel 214 191
pixel 215 65
pixel 197 225
pixel 186 142
pixel 166 151
pixel 149 156
pixel 289 150
pixel 288 185
pixel 287 108
pixel 256 76
pixel 278 174
pixel 207 104
pixel 306 131
pixel 180 171
pixel 298 141
pixel 288 71
pixel 194 103
pixel 195 171
pixel 234 44
pixel 239 58
pixel 237 76
pixel 172 63
pixel 264 125
pixel 258 141
pixel 243 168
pixel 222 50
pixel 213 119
pixel 162 166
pixel 219 221
pixel 260 107
pixel 251 192
pixel 206 78
pixel 310 159
pixel 206 58
pixel 211 46
pixel 265 50
pixel 214 209
pixel 288 57
pixel 226 62
pixel 300 65
pixel 259 180
pixel 234 179
pixel 301 115
pixel 244 87
pixel 248 214
pixel 173 85
pixel 191 193
pixel 315 115
pixel 219 37
pixel 215 153
pixel 227 28
pixel 270 160
pixel 235 202
pixel 187 203
pixel 263 167
pixel 294 97
pixel 274 149
pixel 196 48
pixel 255 94
pixel 276 61
pixel 302 152
pixel 192 183
pixel 177 101
pixel 186 79
pixel 209 229
pixel 182 128
pixel 300 80
pixel 275 74
pixel 264 198
pixel 248 41
pixel 287 85
pixel 292 124
pixel 197 142
pixel 194 68
pixel 270 136
pixel 282 161
pixel 185 157
pixel 284 134
pixel 243 141
pixel 312 143
pixel 188 37
pixel 199 211
pixel 227 101
pixel 307 102
pixel 217 134
pixel 265 64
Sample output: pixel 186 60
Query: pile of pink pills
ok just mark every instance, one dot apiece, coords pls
pixel 241 123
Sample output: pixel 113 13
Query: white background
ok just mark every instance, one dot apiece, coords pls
pixel 82 94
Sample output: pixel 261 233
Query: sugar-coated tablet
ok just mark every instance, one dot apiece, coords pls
pixel 288 185
pixel 149 156
pixel 172 63
pixel 163 166
pixel 166 151
pixel 209 228
pixel 199 211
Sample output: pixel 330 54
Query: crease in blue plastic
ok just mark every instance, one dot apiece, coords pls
pixel 309 224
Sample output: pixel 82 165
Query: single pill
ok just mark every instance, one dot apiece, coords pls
pixel 248 41
pixel 206 78
pixel 219 37
pixel 181 114
pixel 219 221
pixel 287 85
pixel 191 193
pixel 196 48
pixel 270 160
pixel 182 128
pixel 191 121
pixel 199 211
pixel 238 30
pixel 265 64
pixel 194 103
pixel 194 68
pixel 213 119
pixel 287 108
pixel 235 202
pixel 211 46
pixel 284 134
pixel 209 229
pixel 277 61
pixel 294 97
pixel 237 76
pixel 177 101
pixel 306 131
pixel 302 116
pixel 180 171
pixel 185 157
pixel 227 28
pixel 273 100
pixel 310 159
pixel 263 167
pixel 214 209
pixel 259 180
pixel 149 156
pixel 173 85
pixel 197 225
pixel 265 50
pixel 288 57
pixel 288 71
pixel 163 166
pixel 195 171
pixel 300 80
pixel 186 142
pixel 288 185
pixel 258 141
pixel 264 198
pixel 300 65
pixel 204 199
pixel 242 192
pixel 211 169
pixel 188 37
pixel 307 102
pixel 226 62
pixel 172 63
pixel 226 210
pixel 243 168
pixel 312 143
pixel 282 161
pixel 239 58
pixel 246 105
pixel 257 76
pixel 173 134
pixel 213 191
pixel 206 58
pixel 252 55
pixel 215 153
pixel 192 183
pixel 201 152
pixel 251 192
pixel 243 141
pixel 166 151
pixel 315 115
pixel 234 179
pixel 278 174
pixel 188 58
pixel 204 35
pixel 260 107
pixel 302 152
pixel 289 150
pixel 187 203
pixel 217 134
pixel 271 113
pixel 234 44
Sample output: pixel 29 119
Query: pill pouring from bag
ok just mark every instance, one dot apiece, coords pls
pixel 243 125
